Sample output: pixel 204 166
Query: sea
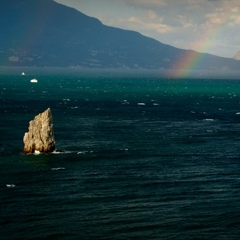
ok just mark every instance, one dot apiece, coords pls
pixel 141 158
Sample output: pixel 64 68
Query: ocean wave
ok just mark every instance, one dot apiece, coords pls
pixel 208 119
pixel 84 152
pixel 10 185
pixel 58 168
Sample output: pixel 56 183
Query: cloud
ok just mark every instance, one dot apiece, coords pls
pixel 185 22
pixel 149 4
pixel 146 26
pixel 235 9
pixel 217 17
pixel 153 16
pixel 224 16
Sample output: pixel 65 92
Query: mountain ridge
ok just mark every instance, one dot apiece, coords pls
pixel 59 36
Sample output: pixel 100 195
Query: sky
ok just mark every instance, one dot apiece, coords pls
pixel 210 26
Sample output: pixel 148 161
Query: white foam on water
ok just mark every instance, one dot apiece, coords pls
pixel 36 152
pixel 58 168
pixel 125 102
pixel 10 185
pixel 61 152
pixel 208 120
pixel 84 152
pixel 81 152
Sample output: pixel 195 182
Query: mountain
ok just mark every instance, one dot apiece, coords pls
pixel 44 33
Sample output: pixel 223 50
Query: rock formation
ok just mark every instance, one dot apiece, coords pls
pixel 40 137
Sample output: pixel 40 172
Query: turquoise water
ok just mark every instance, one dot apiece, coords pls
pixel 144 158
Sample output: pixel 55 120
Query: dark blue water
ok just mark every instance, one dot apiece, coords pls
pixel 144 159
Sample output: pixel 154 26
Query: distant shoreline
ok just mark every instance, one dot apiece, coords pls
pixel 119 72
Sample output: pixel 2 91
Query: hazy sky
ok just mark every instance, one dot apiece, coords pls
pixel 211 26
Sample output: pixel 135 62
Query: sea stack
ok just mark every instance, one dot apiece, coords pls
pixel 40 137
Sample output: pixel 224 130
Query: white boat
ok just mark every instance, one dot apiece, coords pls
pixel 23 74
pixel 34 80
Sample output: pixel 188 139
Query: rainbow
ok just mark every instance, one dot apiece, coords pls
pixel 193 60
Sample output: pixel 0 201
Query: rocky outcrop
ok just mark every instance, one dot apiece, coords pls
pixel 40 137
